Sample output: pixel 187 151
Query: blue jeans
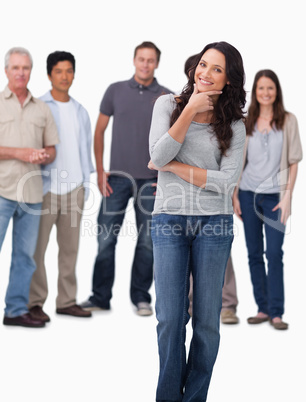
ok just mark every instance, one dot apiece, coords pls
pixel 268 286
pixel 182 245
pixel 110 220
pixel 25 231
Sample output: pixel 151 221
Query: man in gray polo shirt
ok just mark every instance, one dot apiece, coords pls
pixel 131 104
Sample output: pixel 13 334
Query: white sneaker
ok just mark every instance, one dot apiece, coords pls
pixel 144 309
pixel 90 306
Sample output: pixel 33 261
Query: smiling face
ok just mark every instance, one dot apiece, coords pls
pixel 18 72
pixel 210 74
pixel 62 76
pixel 266 91
pixel 145 63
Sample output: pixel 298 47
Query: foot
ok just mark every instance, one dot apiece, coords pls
pixel 144 309
pixel 258 319
pixel 277 323
pixel 229 317
pixel 25 320
pixel 88 305
pixel 75 311
pixel 38 314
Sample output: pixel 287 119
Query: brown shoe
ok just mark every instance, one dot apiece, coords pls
pixel 279 325
pixel 257 320
pixel 25 320
pixel 75 311
pixel 38 313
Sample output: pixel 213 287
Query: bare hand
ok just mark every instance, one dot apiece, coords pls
pixel 202 101
pixel 32 155
pixel 151 166
pixel 236 206
pixel 104 187
pixel 285 206
pixel 154 185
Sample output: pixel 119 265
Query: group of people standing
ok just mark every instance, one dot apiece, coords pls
pixel 45 159
pixel 190 159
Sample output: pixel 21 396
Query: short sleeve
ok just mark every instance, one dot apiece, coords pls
pixel 50 132
pixel 107 103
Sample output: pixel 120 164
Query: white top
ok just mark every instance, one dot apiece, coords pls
pixel 68 172
pixel 263 162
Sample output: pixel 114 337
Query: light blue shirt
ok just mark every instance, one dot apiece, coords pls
pixel 85 139
pixel 263 162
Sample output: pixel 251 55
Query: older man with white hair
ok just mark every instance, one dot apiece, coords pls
pixel 28 135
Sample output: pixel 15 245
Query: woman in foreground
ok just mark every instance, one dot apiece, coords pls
pixel 196 144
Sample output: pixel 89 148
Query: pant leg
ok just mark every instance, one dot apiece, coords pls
pixel 39 285
pixel 190 296
pixel 7 210
pixel 274 232
pixel 229 291
pixel 142 269
pixel 209 255
pixel 25 231
pixel 68 235
pixel 110 220
pixel 171 272
pixel 253 231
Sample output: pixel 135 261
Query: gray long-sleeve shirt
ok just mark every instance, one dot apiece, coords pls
pixel 200 148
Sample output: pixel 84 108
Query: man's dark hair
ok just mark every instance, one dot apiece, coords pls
pixel 190 63
pixel 150 45
pixel 58 56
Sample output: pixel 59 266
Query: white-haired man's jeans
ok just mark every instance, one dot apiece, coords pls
pixel 25 231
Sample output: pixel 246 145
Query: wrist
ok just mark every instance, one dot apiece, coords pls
pixel 15 153
pixel 100 170
pixel 190 111
pixel 288 192
pixel 170 166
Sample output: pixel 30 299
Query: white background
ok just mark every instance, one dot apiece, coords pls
pixel 113 356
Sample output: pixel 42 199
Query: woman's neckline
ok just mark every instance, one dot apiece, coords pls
pixel 201 124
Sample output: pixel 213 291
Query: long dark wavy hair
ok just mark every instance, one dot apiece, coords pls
pixel 231 102
pixel 279 112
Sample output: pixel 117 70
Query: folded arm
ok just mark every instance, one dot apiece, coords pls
pixel 223 180
pixel 166 142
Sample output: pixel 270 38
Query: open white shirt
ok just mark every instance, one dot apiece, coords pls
pixel 68 173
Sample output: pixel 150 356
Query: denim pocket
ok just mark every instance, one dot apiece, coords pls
pixel 219 225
